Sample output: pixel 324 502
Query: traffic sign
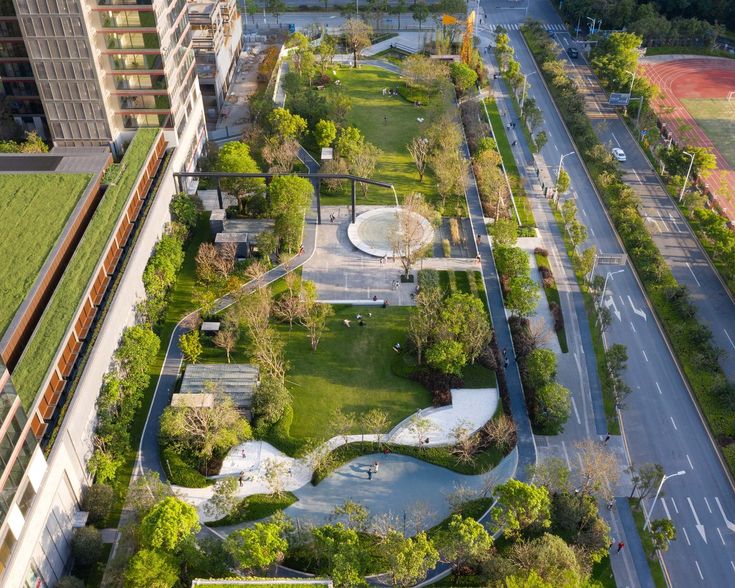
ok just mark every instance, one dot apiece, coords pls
pixel 619 99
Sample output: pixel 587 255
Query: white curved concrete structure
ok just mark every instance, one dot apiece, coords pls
pixel 371 231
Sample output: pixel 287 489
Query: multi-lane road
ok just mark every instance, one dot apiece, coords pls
pixel 661 421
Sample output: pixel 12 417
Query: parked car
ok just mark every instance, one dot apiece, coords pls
pixel 573 52
pixel 619 154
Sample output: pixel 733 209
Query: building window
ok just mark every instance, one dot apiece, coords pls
pixel 26 499
pixel 6 550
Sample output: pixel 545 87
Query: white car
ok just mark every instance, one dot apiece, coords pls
pixel 618 154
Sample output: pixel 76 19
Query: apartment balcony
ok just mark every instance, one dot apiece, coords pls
pixel 136 62
pixel 128 19
pixel 124 2
pixel 132 41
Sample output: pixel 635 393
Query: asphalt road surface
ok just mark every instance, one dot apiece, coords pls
pixel 661 421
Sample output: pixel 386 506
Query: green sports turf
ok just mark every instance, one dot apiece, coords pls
pixel 717 120
pixel 33 211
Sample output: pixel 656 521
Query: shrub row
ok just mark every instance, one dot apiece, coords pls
pixel 690 339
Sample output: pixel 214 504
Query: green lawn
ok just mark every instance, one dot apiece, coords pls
pixel 41 349
pixel 389 122
pixel 255 507
pixel 33 211
pixel 351 369
pixel 717 119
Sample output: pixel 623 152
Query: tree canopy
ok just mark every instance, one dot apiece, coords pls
pixel 168 523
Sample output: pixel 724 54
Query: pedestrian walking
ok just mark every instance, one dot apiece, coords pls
pixel 506 363
pixel 243 454
pixel 505 352
pixel 612 542
pixel 515 143
pixel 610 505
pixel 385 120
pixel 620 546
pixel 606 440
pixel 479 239
pixel 241 478
pixel 376 465
pixel 331 218
pixel 370 473
pixel 301 250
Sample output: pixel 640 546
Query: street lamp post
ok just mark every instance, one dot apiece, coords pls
pixel 561 161
pixel 632 81
pixel 655 498
pixel 640 107
pixel 686 179
pixel 525 83
pixel 604 288
pixel 594 20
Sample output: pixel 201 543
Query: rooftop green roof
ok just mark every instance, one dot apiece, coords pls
pixel 49 333
pixel 34 208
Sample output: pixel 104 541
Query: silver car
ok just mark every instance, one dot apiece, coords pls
pixel 618 154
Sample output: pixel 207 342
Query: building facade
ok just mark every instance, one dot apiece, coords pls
pixel 217 36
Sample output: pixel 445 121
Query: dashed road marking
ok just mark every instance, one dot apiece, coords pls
pixel 576 412
pixel 696 563
pixel 686 536
pixel 706 501
pixel 658 388
pixel 673 423
pixel 691 466
pixel 720 534
pixel 644 355
pixel 728 338
pixel 692 272
pixel 674 505
pixel 666 508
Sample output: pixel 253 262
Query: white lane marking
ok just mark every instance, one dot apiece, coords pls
pixel 700 526
pixel 632 327
pixel 706 501
pixel 644 355
pixel 691 466
pixel 674 505
pixel 592 231
pixel 686 536
pixel 728 524
pixel 696 563
pixel 621 300
pixel 616 139
pixel 576 412
pixel 720 534
pixel 728 338
pixel 692 272
pixel 673 423
pixel 658 388
pixel 637 176
pixel 638 311
pixel 663 222
pixel 666 508
pixel 566 455
pixel 733 565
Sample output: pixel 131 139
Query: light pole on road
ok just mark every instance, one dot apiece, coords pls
pixel 691 163
pixel 604 288
pixel 632 81
pixel 650 512
pixel 561 162
pixel 525 83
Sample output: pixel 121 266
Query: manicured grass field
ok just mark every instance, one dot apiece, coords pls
pixel 389 122
pixel 717 119
pixel 351 369
pixel 41 349
pixel 255 507
pixel 33 211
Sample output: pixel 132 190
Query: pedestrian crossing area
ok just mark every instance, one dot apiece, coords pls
pixel 490 27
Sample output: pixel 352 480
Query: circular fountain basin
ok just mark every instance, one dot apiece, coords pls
pixel 371 232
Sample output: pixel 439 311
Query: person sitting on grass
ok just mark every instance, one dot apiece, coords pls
pixel 346 322
pixel 397 348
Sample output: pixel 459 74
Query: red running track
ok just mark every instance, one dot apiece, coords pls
pixel 696 78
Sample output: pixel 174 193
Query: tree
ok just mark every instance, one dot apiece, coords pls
pixel 521 505
pixel 598 469
pixel 191 346
pixel 325 132
pixel 235 157
pixel 407 236
pixel 97 500
pixel 512 262
pixel 289 198
pixel 523 295
pixel 463 318
pixel 363 162
pixel 325 53
pixel 423 71
pixel 86 547
pixel 704 161
pixel 421 427
pixel 563 181
pixel 374 422
pixel 257 548
pixel 205 430
pixel 184 210
pixel 551 558
pixel 355 514
pixel 340 547
pixel 419 150
pixel 616 358
pixel 357 36
pixel 422 324
pixel 150 568
pixel 463 76
pixel 540 368
pixel 504 232
pixel 541 139
pixel 553 406
pixel 552 473
pixel 447 356
pixel 645 479
pixel 168 523
pixel 276 7
pixel 501 431
pixel 275 473
pixel 215 262
pixel 464 542
pixel 280 154
pixel 270 400
pixel 226 338
pixel 575 518
pixel 285 124
pixel 409 559
pixel 615 56
pixel 661 532
pixel 223 499
pixel 420 12
pixel 465 442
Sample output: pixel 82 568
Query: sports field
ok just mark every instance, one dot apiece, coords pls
pixel 717 120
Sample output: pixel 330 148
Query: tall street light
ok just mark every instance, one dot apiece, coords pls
pixel 632 81
pixel 648 517
pixel 561 162
pixel 640 107
pixel 691 163
pixel 604 288
pixel 525 83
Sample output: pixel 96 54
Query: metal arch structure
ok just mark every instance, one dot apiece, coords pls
pixel 314 177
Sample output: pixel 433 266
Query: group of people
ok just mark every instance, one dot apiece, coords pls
pixel 359 318
pixel 373 469
pixel 390 92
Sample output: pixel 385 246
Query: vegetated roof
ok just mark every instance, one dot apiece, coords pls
pixel 49 333
pixel 34 208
